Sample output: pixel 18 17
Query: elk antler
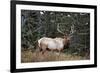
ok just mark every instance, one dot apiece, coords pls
pixel 59 30
pixel 72 30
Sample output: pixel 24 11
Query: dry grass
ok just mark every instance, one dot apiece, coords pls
pixel 29 56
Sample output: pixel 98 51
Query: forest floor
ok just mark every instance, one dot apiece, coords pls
pixel 29 56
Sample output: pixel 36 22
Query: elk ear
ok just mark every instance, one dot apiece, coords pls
pixel 65 36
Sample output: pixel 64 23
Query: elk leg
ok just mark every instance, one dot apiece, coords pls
pixel 59 54
pixel 37 51
pixel 51 51
pixel 43 48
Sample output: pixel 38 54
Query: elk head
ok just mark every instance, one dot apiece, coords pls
pixel 66 37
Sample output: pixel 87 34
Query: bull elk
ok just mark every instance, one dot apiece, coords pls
pixel 57 43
